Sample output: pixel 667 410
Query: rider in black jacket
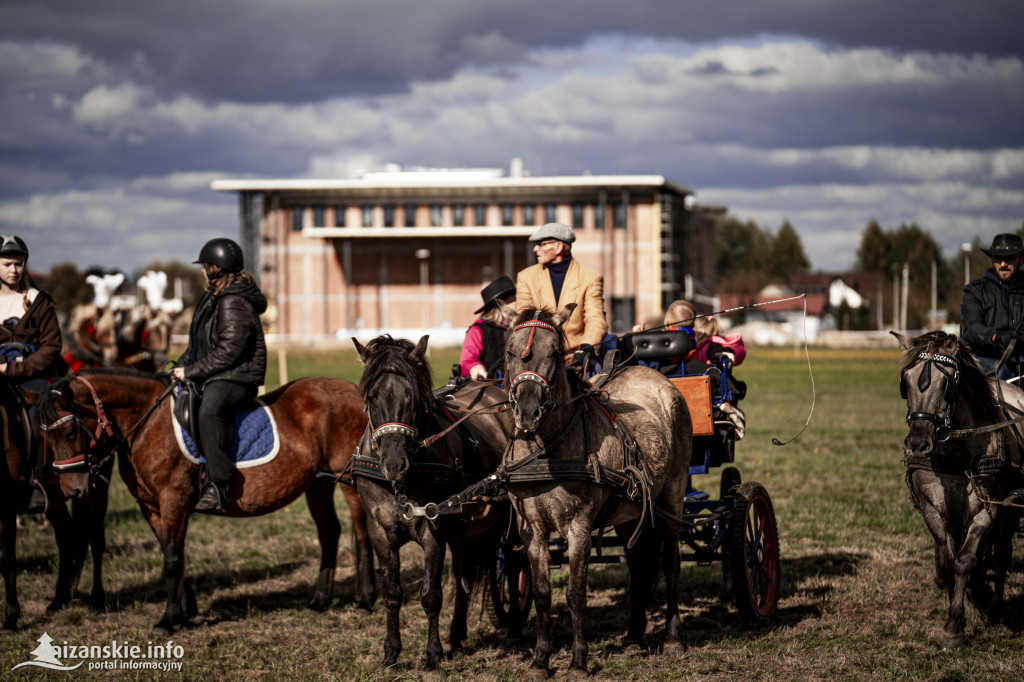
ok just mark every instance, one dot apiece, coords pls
pixel 992 308
pixel 226 355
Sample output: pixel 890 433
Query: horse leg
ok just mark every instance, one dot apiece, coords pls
pixel 576 592
pixel 170 533
pixel 431 596
pixel 320 498
pixel 964 567
pixel 64 533
pixel 539 555
pixel 1003 558
pixel 461 569
pixel 642 575
pixel 96 520
pixel 366 577
pixel 9 568
pixel 391 592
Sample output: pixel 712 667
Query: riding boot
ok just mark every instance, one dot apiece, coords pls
pixel 37 498
pixel 212 498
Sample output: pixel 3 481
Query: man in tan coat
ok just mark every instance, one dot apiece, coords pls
pixel 557 280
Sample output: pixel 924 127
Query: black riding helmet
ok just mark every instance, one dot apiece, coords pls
pixel 224 253
pixel 12 245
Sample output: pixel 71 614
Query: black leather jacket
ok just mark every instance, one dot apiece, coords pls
pixel 232 338
pixel 988 308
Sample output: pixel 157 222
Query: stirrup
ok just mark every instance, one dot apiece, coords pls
pixel 211 499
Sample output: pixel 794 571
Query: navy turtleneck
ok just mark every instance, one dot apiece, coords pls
pixel 557 272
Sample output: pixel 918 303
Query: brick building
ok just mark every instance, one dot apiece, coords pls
pixel 404 252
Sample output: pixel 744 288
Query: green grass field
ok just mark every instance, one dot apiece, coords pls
pixel 858 601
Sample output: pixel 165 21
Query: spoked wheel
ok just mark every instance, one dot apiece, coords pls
pixel 753 552
pixel 730 480
pixel 508 583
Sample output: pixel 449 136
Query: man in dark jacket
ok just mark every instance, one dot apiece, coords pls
pixel 992 308
pixel 227 356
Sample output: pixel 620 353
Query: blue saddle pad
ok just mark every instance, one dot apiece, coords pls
pixel 256 440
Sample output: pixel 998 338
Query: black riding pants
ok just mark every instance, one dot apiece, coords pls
pixel 221 401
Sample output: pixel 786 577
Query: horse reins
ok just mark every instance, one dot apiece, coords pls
pixel 104 427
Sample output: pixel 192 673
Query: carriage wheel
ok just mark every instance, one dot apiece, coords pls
pixel 753 551
pixel 730 479
pixel 508 578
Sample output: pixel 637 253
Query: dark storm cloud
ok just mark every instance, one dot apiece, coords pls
pixel 320 49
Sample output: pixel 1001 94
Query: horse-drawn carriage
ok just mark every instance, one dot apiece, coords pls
pixel 736 529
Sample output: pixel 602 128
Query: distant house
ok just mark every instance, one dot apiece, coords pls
pixel 776 313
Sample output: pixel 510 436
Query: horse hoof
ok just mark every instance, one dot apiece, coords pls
pixel 10 626
pixel 577 674
pixel 165 629
pixel 673 647
pixel 55 606
pixel 536 675
pixel 317 605
pixel 946 641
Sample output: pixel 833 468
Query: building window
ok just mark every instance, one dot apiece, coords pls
pixel 367 216
pixel 549 213
pixel 623 312
pixel 435 215
pixel 410 215
pixel 506 215
pixel 389 216
pixel 599 216
pixel 480 215
pixel 339 216
pixel 318 216
pixel 459 215
pixel 577 216
pixel 297 219
pixel 528 215
pixel 620 215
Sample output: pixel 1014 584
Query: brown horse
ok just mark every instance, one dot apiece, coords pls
pixel 399 475
pixel 583 460
pixel 88 415
pixel 74 531
pixel 955 472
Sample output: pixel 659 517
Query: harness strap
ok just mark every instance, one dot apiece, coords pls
pixel 497 407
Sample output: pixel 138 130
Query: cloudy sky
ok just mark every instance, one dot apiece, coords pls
pixel 115 115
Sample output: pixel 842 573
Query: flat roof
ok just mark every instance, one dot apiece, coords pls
pixel 437 180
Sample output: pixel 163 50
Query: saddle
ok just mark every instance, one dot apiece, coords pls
pixel 186 408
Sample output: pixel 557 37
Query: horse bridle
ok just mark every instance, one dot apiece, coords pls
pixel 104 432
pixel 104 429
pixel 530 375
pixel 943 427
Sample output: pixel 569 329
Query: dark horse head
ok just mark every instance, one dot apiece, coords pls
pixel 535 362
pixel 396 389
pixel 943 385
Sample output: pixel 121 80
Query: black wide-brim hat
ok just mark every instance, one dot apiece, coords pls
pixel 1005 245
pixel 499 288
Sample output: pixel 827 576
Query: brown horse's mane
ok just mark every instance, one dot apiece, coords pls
pixel 46 407
pixel 386 355
pixel 975 387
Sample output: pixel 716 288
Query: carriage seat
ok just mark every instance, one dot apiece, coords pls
pixel 661 345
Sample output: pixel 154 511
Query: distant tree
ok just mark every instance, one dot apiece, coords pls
pixel 67 286
pixel 787 254
pixel 742 252
pixel 875 252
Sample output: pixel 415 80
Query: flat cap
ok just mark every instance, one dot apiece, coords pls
pixel 559 231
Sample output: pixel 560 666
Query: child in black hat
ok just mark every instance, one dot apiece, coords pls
pixel 483 348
